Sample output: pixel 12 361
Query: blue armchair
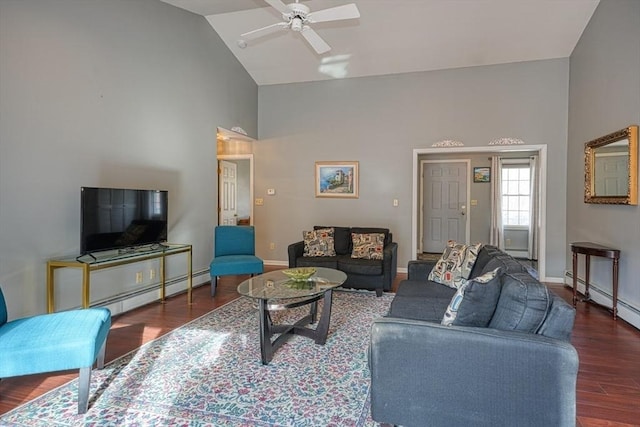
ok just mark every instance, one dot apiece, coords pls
pixel 234 253
pixel 72 339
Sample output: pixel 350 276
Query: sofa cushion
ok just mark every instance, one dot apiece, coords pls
pixel 485 254
pixel 506 262
pixel 318 243
pixel 318 261
pixel 341 238
pixel 369 230
pixel 365 267
pixel 422 289
pixel 455 265
pixel 559 321
pixel 475 302
pixel 522 305
pixel 428 309
pixel 367 246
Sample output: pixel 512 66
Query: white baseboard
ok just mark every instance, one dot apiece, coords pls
pixel 626 311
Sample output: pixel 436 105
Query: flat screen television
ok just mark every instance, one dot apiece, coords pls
pixel 116 218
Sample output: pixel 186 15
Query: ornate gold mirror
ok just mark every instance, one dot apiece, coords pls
pixel 611 168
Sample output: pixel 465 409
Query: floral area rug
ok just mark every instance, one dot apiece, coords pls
pixel 208 373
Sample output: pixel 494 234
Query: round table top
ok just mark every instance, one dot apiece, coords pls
pixel 276 285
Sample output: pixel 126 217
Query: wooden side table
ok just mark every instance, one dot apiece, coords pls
pixel 588 249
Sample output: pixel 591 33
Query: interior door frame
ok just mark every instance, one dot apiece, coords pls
pixel 542 209
pixel 239 157
pixel 467 227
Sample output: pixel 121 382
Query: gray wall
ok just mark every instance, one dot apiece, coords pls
pixel 604 96
pixel 122 93
pixel 379 121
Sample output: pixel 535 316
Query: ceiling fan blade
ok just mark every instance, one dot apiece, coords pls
pixel 279 6
pixel 264 31
pixel 316 42
pixel 347 11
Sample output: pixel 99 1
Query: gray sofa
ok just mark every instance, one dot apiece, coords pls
pixel 518 370
pixel 371 274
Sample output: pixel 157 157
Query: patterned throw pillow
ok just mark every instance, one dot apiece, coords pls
pixel 455 265
pixel 367 246
pixel 482 316
pixel 318 243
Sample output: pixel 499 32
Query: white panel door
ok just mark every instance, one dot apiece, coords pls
pixel 444 198
pixel 228 193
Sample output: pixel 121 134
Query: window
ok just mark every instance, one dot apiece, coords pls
pixel 516 195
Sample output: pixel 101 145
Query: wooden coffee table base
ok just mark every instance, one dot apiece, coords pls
pixel 268 329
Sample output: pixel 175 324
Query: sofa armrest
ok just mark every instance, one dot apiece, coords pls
pixel 390 265
pixel 419 270
pixel 424 372
pixel 295 251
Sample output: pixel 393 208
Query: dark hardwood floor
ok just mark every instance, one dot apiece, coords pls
pixel 608 392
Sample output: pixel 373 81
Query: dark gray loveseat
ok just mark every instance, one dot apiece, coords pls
pixel 371 274
pixel 519 370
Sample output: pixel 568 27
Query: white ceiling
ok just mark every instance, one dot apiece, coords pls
pixel 399 36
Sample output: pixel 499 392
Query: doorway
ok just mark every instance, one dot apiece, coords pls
pixel 540 151
pixel 235 178
pixel 235 193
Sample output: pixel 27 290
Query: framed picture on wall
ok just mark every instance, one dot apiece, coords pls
pixel 482 174
pixel 337 179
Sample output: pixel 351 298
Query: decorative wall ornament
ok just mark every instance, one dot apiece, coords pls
pixel 448 143
pixel 239 130
pixel 506 141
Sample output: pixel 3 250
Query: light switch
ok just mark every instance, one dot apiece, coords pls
pixel 395 202
pixel 259 202
pixel 474 203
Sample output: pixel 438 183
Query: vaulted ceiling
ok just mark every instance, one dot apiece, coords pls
pixel 398 36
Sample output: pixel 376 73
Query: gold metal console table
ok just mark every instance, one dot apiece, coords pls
pixel 89 263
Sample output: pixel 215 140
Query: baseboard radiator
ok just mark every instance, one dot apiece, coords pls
pixel 626 311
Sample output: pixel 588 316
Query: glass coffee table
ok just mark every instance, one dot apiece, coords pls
pixel 276 291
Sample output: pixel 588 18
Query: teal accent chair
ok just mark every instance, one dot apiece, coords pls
pixel 234 253
pixel 73 339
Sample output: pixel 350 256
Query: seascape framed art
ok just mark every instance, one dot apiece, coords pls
pixel 337 179
pixel 482 174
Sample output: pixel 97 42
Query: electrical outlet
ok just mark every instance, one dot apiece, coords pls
pixel 152 274
pixel 139 277
pixel 272 245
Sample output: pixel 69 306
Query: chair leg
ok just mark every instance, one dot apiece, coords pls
pixel 83 389
pixel 214 284
pixel 100 359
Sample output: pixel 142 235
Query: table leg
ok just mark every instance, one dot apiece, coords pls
pixel 86 285
pixel 162 280
pixel 266 350
pixel 575 279
pixel 587 267
pixel 50 277
pixel 323 325
pixel 615 288
pixel 189 277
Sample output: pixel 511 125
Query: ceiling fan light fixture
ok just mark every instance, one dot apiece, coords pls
pixel 296 24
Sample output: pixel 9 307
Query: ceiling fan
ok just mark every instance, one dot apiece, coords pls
pixel 298 18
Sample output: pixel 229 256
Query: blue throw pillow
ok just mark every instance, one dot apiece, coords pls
pixel 475 301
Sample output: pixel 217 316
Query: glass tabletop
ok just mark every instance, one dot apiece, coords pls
pixel 276 285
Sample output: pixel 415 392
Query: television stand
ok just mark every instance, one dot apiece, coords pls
pixel 98 261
